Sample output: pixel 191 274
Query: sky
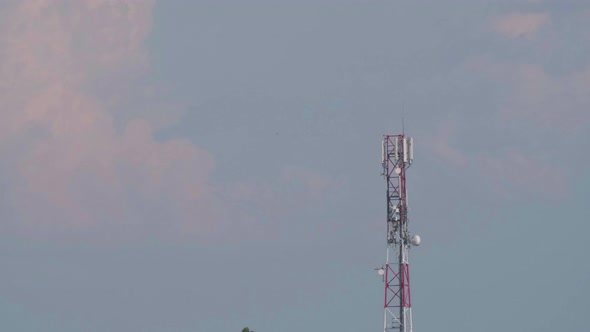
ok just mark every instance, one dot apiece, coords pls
pixel 205 165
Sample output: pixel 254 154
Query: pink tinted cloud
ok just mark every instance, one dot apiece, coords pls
pixel 519 24
pixel 73 170
pixel 507 172
pixel 547 100
pixel 71 167
pixel 295 187
pixel 516 170
pixel 315 186
pixel 441 144
pixel 550 100
pixel 537 97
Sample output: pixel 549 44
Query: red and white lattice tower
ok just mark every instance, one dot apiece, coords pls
pixel 397 156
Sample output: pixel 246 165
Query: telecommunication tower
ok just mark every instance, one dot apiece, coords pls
pixel 396 157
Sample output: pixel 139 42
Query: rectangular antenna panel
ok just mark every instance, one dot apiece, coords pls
pixel 405 149
pixel 396 148
pixel 411 149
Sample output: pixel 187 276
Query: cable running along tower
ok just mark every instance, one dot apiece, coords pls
pixel 396 157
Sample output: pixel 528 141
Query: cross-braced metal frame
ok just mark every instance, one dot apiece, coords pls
pixel 397 157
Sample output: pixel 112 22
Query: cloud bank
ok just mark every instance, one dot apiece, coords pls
pixel 520 24
pixel 66 163
pixel 71 165
pixel 537 86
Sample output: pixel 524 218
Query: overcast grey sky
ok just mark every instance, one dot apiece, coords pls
pixel 206 165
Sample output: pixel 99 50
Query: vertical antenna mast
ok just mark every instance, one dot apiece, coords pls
pixel 397 155
pixel 403 122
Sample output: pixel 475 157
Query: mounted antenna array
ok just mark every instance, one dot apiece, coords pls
pixel 397 154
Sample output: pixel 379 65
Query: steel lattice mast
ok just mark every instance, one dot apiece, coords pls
pixel 397 156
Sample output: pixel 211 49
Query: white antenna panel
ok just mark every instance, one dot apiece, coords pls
pixel 383 152
pixel 396 148
pixel 405 149
pixel 411 149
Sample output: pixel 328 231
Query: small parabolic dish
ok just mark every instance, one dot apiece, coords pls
pixel 397 170
pixel 416 240
pixel 380 272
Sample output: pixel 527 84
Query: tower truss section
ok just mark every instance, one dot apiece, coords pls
pixel 397 156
